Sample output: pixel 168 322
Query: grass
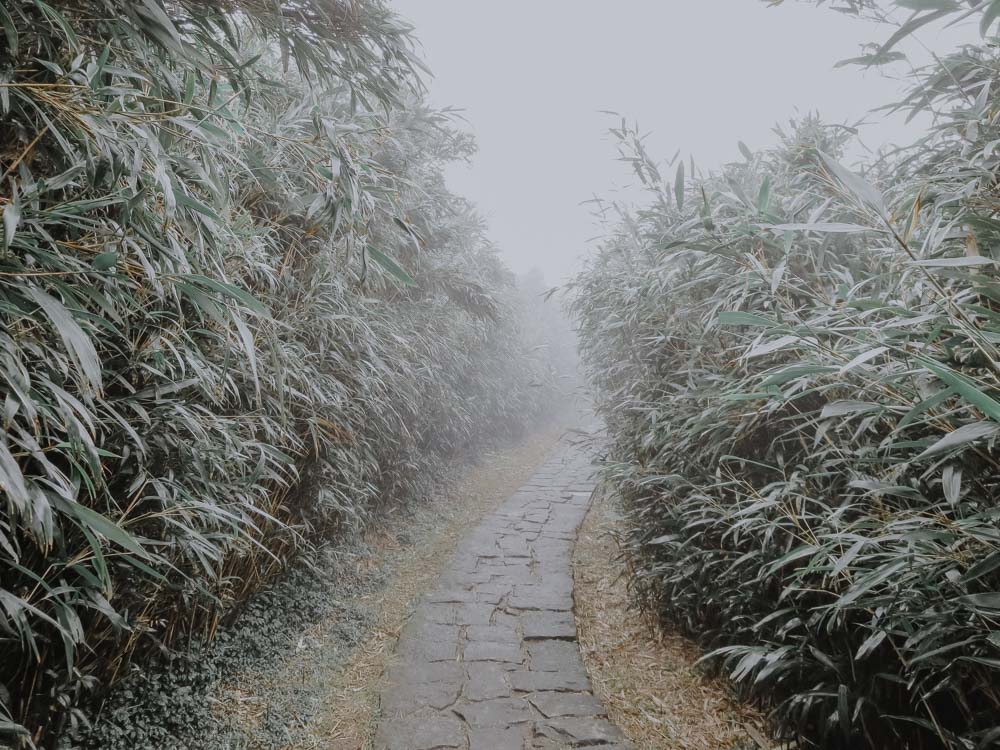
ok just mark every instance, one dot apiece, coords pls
pixel 241 313
pixel 646 676
pixel 797 363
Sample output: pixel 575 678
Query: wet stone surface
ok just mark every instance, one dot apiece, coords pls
pixel 489 659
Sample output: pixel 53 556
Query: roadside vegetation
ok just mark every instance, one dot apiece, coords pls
pixel 648 678
pixel 798 363
pixel 241 313
pixel 302 665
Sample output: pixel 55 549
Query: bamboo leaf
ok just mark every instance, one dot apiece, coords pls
pixel 77 343
pixel 10 31
pixel 11 217
pixel 864 192
pixel 99 524
pixel 962 436
pixel 228 290
pixel 822 227
pixel 679 186
pixel 105 261
pixel 847 408
pixel 764 196
pixel 744 319
pixel 966 389
pixel 389 265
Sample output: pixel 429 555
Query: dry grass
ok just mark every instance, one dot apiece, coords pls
pixel 647 679
pixel 415 547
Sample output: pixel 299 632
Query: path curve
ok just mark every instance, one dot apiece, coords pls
pixel 489 659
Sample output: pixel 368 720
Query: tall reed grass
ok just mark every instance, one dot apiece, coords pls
pixel 240 311
pixel 798 364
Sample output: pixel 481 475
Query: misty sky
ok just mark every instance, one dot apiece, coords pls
pixel 532 75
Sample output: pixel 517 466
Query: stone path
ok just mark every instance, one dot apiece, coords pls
pixel 489 659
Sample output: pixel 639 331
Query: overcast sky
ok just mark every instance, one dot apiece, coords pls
pixel 532 76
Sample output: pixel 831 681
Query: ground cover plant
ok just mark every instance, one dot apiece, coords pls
pixel 799 369
pixel 240 311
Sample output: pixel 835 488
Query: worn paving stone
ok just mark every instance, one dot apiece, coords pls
pixel 497 652
pixel 495 713
pixel 512 738
pixel 491 594
pixel 579 731
pixel 489 659
pixel 492 633
pixel 454 596
pixel 541 598
pixel 421 733
pixel 414 696
pixel 548 625
pixel 403 671
pixel 553 705
pixel 479 613
pixel 441 614
pixel 426 641
pixel 486 680
pixel 553 656
pixel 526 681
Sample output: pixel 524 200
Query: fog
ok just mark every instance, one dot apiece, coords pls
pixel 533 77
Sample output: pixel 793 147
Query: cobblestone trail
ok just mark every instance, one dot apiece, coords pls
pixel 489 659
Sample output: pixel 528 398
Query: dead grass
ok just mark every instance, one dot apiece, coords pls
pixel 415 548
pixel 646 679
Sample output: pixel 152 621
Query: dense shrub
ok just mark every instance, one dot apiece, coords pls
pixel 799 370
pixel 239 308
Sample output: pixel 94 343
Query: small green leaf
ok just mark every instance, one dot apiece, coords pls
pixel 764 196
pixel 990 601
pixel 863 191
pixel 195 205
pixel 104 261
pixel 846 408
pixel 928 4
pixel 744 319
pixel 78 344
pixel 679 186
pixel 990 15
pixel 965 388
pixel 102 525
pixel 963 435
pixel 10 31
pixel 229 290
pixel 961 262
pixel 391 266
pixel 823 227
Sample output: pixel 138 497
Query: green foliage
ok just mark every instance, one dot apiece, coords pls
pixel 171 703
pixel 240 309
pixel 799 369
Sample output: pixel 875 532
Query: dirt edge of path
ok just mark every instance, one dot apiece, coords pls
pixel 647 679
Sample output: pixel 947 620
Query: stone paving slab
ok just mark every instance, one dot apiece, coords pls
pixel 489 659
